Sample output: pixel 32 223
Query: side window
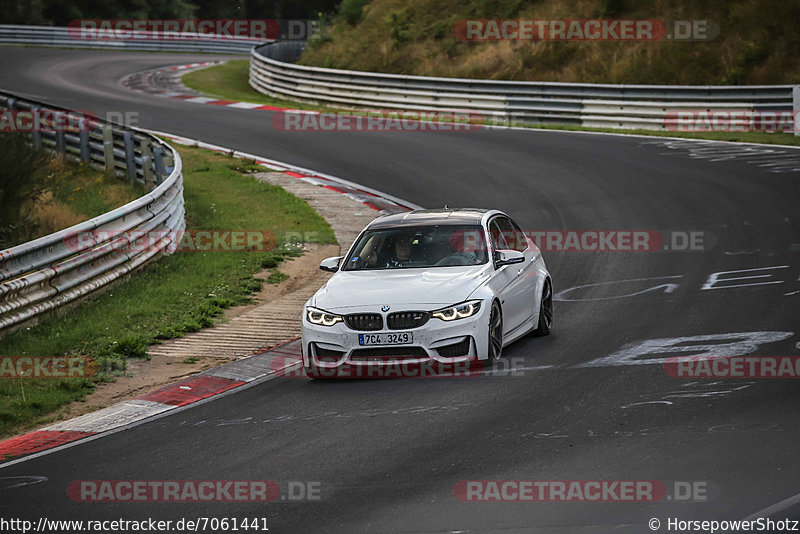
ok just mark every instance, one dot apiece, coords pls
pixel 521 240
pixel 512 235
pixel 498 243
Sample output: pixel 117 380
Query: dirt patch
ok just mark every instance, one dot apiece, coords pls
pixel 300 271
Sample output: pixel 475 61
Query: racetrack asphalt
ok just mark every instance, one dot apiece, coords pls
pixel 387 453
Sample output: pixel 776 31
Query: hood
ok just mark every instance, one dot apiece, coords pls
pixel 423 288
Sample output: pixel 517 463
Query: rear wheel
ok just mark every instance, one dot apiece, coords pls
pixel 495 334
pixel 545 311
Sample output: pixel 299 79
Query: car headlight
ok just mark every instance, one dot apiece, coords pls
pixel 321 317
pixel 458 311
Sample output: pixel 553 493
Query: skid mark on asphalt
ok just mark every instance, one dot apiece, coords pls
pixel 249 420
pixel 772 159
pixel 728 428
pixel 20 481
pixel 691 390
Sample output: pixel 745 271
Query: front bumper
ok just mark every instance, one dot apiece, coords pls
pixel 331 347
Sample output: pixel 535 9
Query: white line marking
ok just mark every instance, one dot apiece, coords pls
pixel 244 105
pixel 668 403
pixel 668 288
pixel 775 508
pixel 201 99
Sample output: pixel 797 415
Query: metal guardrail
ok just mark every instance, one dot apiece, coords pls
pixel 60 37
pixel 51 271
pixel 273 72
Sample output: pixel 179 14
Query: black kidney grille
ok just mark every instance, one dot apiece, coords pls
pixel 364 321
pixel 409 319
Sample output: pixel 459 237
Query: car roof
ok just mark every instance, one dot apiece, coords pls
pixel 430 217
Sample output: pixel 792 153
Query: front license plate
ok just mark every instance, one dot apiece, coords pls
pixel 393 338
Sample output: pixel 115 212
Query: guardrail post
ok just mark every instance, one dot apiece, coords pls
pixel 158 157
pixel 147 165
pixel 796 109
pixel 108 147
pixel 130 163
pixel 60 148
pixel 84 135
pixel 169 163
pixel 36 134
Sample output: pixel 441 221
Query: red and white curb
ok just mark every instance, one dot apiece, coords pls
pixel 262 364
pixel 371 198
pixel 142 82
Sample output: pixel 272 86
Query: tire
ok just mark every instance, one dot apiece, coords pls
pixel 545 311
pixel 495 335
pixel 313 372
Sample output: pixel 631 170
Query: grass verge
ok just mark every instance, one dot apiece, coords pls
pixel 170 297
pixel 229 82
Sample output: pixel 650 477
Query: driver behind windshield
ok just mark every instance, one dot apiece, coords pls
pixel 422 246
pixel 401 251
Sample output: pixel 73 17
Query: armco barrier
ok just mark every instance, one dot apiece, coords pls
pixel 273 72
pixel 59 37
pixel 51 271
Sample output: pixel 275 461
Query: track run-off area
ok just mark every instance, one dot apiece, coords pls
pixel 592 401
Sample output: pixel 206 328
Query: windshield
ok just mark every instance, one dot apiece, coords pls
pixel 418 247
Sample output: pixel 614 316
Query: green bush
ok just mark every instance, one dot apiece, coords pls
pixel 351 11
pixel 22 179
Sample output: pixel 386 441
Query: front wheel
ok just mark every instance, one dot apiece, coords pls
pixel 545 311
pixel 315 373
pixel 495 334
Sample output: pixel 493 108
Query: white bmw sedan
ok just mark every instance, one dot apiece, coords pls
pixel 443 286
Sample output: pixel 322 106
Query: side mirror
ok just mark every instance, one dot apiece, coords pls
pixel 507 257
pixel 330 264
